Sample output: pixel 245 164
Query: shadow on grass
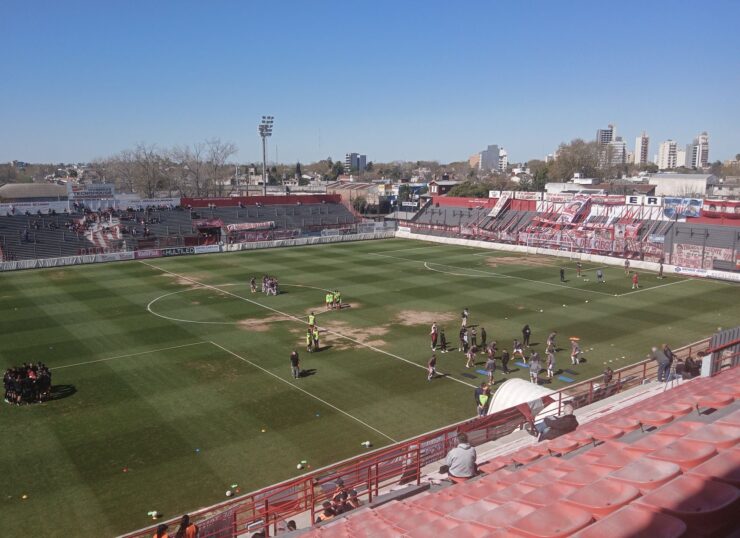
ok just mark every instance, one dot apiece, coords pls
pixel 59 392
pixel 307 373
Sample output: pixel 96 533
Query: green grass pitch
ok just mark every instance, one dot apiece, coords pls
pixel 177 368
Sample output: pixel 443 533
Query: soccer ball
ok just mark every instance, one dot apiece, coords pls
pixel 299 466
pixel 229 493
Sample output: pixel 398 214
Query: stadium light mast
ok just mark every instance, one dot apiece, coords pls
pixel 265 129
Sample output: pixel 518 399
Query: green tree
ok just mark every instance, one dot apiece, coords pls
pixel 470 189
pixel 737 156
pixel 404 193
pixel 359 204
pixel 540 172
pixel 578 156
pixel 336 170
pixel 369 167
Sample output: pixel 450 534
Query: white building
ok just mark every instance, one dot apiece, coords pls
pixel 683 185
pixel 503 160
pixel 697 153
pixel 680 157
pixel 641 149
pixel 667 155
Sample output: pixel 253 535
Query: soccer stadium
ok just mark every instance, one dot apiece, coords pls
pixel 520 365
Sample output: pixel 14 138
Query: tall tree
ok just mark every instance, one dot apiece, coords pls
pixel 578 156
pixel 218 153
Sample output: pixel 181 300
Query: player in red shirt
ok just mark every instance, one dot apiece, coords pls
pixel 635 281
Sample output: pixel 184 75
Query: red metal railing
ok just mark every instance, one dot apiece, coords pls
pixel 402 462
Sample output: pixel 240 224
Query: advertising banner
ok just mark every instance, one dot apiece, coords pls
pixel 149 253
pixel 559 198
pixel 680 208
pixel 570 210
pixel 20 208
pixel 207 249
pixel 208 223
pixel 687 255
pixel 114 257
pixel 717 253
pixel 250 226
pixel 728 209
pixel 178 251
pixel 520 195
pixel 607 199
pixel 654 238
pixel 90 192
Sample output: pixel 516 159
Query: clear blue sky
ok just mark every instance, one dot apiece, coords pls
pixel 397 79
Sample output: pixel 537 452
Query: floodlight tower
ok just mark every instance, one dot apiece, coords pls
pixel 265 129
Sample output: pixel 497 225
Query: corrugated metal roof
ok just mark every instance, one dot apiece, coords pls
pixel 15 191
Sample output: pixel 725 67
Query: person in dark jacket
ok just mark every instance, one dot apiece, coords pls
pixel 553 427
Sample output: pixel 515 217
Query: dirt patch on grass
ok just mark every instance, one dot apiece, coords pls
pixel 528 261
pixel 322 308
pixel 181 281
pixel 421 317
pixel 56 275
pixel 368 336
pixel 260 325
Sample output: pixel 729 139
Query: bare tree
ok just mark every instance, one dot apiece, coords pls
pixel 218 153
pixel 193 161
pixel 149 166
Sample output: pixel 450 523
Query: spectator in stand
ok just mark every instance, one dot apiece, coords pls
pixel 291 525
pixel 460 460
pixel 187 529
pixel 553 427
pixel 608 375
pixel 326 514
pixel 161 531
pixel 691 368
pixel 664 363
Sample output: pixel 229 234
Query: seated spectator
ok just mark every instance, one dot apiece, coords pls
pixel 460 460
pixel 326 514
pixel 187 528
pixel 691 367
pixel 553 427
pixel 291 525
pixel 353 501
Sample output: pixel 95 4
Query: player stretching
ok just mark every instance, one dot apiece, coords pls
pixel 575 351
pixel 432 367
pixel 309 341
pixel 329 300
pixel 550 361
pixel 516 349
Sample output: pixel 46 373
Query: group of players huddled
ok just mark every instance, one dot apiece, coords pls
pixel 473 342
pixel 30 383
pixel 270 285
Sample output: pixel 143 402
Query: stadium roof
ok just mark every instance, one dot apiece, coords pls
pixel 24 191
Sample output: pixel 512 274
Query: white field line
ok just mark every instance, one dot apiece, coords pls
pixel 406 249
pixel 299 320
pixel 656 287
pixel 170 318
pixel 304 391
pixel 129 355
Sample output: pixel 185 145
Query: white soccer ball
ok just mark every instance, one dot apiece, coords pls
pixel 299 466
pixel 229 493
pixel 541 310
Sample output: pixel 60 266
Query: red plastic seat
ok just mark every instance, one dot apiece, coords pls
pixel 681 428
pixel 733 419
pixel 586 475
pixel 506 514
pixel 493 465
pixel 634 522
pixel 545 495
pixel 440 504
pixel 581 437
pixel 544 478
pixel 677 408
pixel 466 530
pixel 477 489
pixel 720 435
pixel 562 445
pixel 686 454
pixel 652 442
pixel 608 447
pixel 714 401
pixel 526 455
pixel 653 418
pixel 601 432
pixel 473 511
pixel 507 478
pixel 706 506
pixel 725 466
pixel 619 459
pixel 647 475
pixel 553 521
pixel 624 423
pixel 434 528
pixel 544 464
pixel 510 493
pixel 603 497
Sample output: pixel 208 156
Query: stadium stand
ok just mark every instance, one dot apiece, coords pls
pixel 29 236
pixel 668 465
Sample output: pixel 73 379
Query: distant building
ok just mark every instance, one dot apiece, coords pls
pixel 439 188
pixel 683 185
pixel 474 161
pixel 604 136
pixel 616 152
pixel 697 153
pixel 355 162
pixel 680 158
pixel 503 160
pixel 489 158
pixel 667 155
pixel 641 149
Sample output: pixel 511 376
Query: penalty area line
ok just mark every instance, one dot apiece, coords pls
pixel 128 355
pixel 304 391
